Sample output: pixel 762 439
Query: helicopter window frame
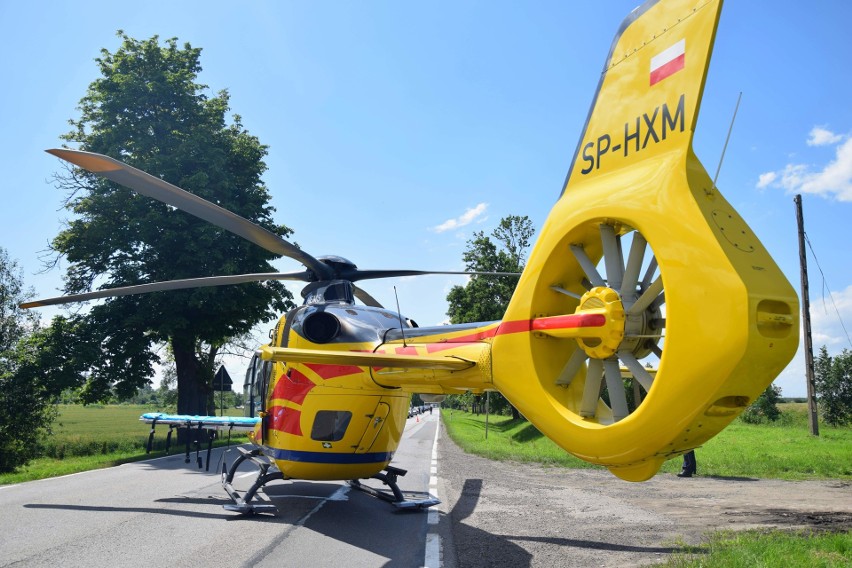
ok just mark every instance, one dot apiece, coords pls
pixel 330 425
pixel 264 373
pixel 256 385
pixel 249 388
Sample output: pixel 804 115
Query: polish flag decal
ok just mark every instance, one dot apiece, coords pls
pixel 668 62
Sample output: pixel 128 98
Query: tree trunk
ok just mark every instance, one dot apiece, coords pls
pixel 194 392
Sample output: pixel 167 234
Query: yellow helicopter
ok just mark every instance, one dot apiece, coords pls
pixel 640 260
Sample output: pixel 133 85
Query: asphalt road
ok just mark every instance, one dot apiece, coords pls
pixel 165 512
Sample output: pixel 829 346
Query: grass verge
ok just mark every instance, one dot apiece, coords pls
pixel 754 548
pixel 94 437
pixel 783 450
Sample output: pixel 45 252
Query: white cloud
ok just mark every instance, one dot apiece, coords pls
pixel 827 326
pixel 465 218
pixel 766 179
pixel 833 181
pixel 826 329
pixel 821 137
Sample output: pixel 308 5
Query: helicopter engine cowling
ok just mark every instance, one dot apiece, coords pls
pixel 321 327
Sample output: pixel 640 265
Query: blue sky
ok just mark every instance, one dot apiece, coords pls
pixel 396 129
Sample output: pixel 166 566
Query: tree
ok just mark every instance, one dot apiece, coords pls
pixel 765 407
pixel 25 408
pixel 148 110
pixel 833 382
pixel 485 298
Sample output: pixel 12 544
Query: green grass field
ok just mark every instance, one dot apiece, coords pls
pixel 781 450
pixel 92 437
pixel 756 548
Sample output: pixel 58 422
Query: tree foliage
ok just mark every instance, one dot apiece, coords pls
pixel 25 409
pixel 833 382
pixel 148 110
pixel 765 407
pixel 485 298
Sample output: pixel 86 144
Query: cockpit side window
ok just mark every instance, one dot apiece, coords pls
pixel 256 384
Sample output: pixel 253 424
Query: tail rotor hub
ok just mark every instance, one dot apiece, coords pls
pixel 608 337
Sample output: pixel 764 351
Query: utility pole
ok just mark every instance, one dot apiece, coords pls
pixel 806 322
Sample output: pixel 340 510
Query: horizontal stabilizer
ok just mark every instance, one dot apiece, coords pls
pixel 360 359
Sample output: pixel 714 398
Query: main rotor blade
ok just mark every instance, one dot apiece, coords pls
pixel 169 285
pixel 155 188
pixel 362 295
pixel 357 274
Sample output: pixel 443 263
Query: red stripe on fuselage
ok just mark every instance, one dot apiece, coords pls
pixel 519 326
pixel 452 342
pixel 327 372
pixel 293 387
pixel 285 420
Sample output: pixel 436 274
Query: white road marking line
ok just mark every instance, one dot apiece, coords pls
pixel 339 495
pixel 432 555
pixel 433 551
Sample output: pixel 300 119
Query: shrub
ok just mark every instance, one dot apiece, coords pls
pixel 765 407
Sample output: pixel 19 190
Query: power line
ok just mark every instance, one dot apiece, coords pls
pixel 824 287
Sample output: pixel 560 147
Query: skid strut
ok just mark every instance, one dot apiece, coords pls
pixel 397 497
pixel 242 503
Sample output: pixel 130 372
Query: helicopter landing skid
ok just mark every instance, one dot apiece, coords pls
pixel 397 497
pixel 242 503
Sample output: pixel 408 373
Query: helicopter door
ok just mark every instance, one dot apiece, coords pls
pixel 373 428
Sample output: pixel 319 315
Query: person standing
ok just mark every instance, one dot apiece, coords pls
pixel 689 466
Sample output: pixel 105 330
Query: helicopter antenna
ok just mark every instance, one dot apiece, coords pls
pixel 401 327
pixel 725 147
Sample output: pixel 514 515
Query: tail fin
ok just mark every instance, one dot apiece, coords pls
pixel 650 89
pixel 641 261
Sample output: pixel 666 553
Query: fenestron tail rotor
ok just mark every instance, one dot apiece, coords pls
pixel 615 351
pixel 636 337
